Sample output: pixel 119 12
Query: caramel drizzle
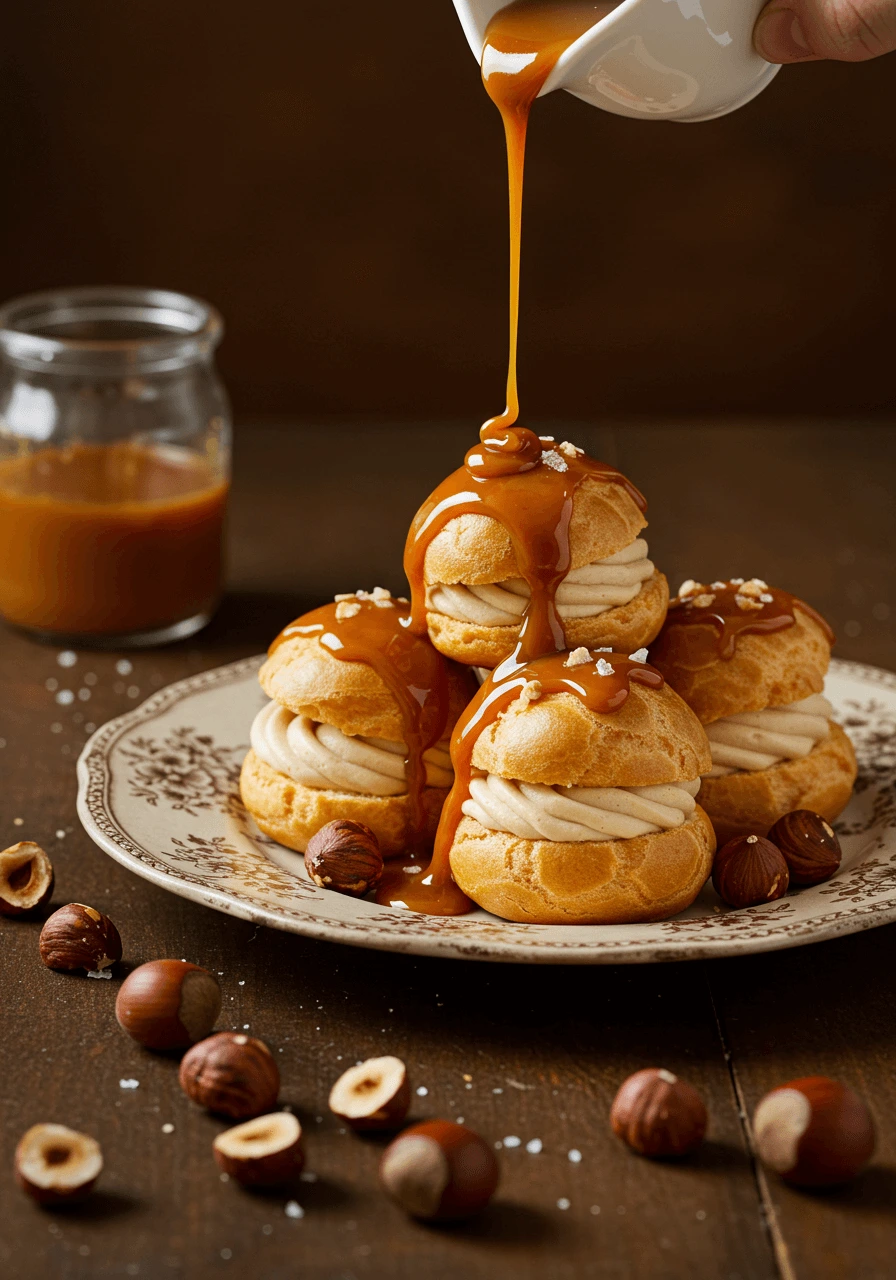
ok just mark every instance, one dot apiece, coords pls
pixel 415 673
pixel 707 624
pixel 434 891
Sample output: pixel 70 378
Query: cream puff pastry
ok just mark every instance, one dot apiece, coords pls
pixel 751 660
pixel 550 555
pixel 573 800
pixel 356 727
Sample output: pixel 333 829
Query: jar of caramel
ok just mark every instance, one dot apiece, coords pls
pixel 114 465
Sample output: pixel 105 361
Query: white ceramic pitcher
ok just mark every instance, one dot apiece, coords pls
pixel 682 60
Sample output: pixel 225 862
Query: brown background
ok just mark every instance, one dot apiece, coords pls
pixel 331 176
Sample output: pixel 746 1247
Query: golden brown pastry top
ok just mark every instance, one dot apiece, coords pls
pixel 477 549
pixel 653 738
pixel 300 674
pixel 766 669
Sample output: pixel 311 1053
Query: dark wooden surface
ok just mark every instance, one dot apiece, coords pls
pixel 318 509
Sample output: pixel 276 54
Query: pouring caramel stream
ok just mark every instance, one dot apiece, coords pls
pixel 433 891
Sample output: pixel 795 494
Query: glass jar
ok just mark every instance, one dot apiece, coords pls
pixel 114 465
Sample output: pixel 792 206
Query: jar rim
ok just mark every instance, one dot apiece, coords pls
pixel 189 329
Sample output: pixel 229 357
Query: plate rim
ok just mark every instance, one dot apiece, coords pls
pixel 94 776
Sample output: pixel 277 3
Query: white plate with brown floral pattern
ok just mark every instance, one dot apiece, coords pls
pixel 158 792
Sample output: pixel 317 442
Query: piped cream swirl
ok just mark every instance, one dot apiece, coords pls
pixel 755 740
pixel 583 593
pixel 322 756
pixel 536 812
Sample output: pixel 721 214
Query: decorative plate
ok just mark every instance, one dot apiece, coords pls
pixel 158 792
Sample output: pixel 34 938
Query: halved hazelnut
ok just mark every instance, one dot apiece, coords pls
pixel 231 1074
pixel 438 1170
pixel 57 1165
pixel 263 1152
pixel 374 1095
pixel 26 878
pixel 168 1004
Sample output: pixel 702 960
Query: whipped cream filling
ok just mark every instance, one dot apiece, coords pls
pixel 536 812
pixel 322 756
pixel 583 593
pixel 755 740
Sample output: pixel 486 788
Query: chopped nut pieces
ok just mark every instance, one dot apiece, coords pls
pixel 704 600
pixel 689 588
pixel 379 595
pixel 718 586
pixel 640 655
pixel 439 1170
pixel 747 602
pixel 530 692
pixel 376 1094
pixel 57 1165
pixel 26 878
pixel 814 1132
pixel 168 1004
pixel 578 657
pixel 265 1152
pixel 571 450
pixel 605 668
pixel 344 856
pixel 658 1115
pixel 347 609
pixel 79 937
pixel 231 1074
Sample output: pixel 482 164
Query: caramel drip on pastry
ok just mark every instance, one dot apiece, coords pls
pixel 706 622
pixel 377 632
pixel 534 504
pixel 523 42
pixel 433 891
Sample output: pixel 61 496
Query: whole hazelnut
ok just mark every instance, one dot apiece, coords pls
pixel 750 870
pixel 26 878
pixel 168 1004
pixel 814 1132
pixel 79 937
pixel 809 845
pixel 231 1074
pixel 344 856
pixel 438 1170
pixel 265 1152
pixel 374 1095
pixel 656 1114
pixel 56 1165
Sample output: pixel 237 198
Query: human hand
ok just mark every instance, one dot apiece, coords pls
pixel 809 30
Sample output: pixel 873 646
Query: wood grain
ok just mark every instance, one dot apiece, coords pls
pixel 544 1048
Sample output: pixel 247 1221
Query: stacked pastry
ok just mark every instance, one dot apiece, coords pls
pixel 751 661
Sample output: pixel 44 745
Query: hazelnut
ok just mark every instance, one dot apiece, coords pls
pixel 57 1165
pixel 231 1074
pixel 809 845
pixel 374 1095
pixel 168 1004
pixel 438 1170
pixel 344 856
pixel 264 1152
pixel 26 878
pixel 79 937
pixel 814 1132
pixel 656 1114
pixel 749 870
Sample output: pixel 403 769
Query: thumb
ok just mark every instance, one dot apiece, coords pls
pixel 808 30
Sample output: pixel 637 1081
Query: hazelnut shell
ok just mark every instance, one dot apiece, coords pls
pixel 231 1074
pixel 79 937
pixel 264 1152
pixel 168 1004
pixel 814 1132
pixel 437 1171
pixel 26 878
pixel 750 870
pixel 658 1115
pixel 809 845
pixel 344 856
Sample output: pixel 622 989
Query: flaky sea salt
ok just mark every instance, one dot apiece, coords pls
pixel 129 1084
pixel 551 458
pixel 640 655
pixel 293 1209
pixel 578 657
pixel 604 668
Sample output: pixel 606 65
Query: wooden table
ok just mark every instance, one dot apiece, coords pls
pixel 320 509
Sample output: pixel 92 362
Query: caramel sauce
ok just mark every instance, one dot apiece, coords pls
pixel 705 626
pixel 414 672
pixel 434 891
pixel 109 539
